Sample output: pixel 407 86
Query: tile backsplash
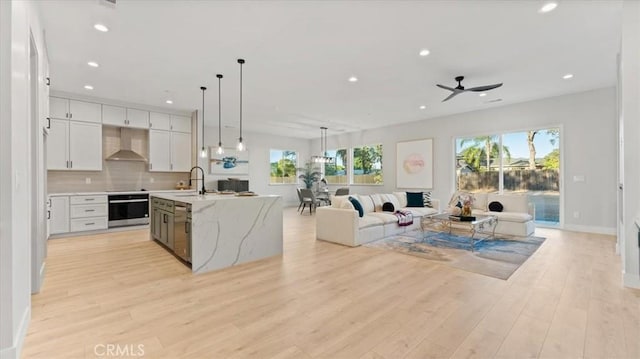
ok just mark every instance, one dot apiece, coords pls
pixel 116 175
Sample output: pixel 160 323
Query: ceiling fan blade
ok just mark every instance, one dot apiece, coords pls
pixel 484 88
pixel 455 93
pixel 446 87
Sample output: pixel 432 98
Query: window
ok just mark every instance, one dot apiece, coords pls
pixel 336 172
pixel 283 167
pixel 526 162
pixel 367 165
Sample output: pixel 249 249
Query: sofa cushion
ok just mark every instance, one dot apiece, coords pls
pixel 495 206
pixel 386 218
pixel 517 217
pixel 369 221
pixel 511 202
pixel 366 201
pixel 346 205
pixel 481 200
pixel 402 198
pixel 415 199
pixel 337 201
pixel 378 201
pixel 420 211
pixel 389 197
pixel 426 198
pixel 358 207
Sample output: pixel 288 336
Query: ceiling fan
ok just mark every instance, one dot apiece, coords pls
pixel 460 89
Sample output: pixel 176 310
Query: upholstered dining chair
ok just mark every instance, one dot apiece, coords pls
pixel 342 191
pixel 299 198
pixel 308 198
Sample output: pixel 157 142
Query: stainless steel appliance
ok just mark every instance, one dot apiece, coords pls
pixel 128 209
pixel 182 230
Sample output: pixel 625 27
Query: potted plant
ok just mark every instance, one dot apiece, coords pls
pixel 309 174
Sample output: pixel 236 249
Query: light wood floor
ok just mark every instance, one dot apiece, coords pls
pixel 322 300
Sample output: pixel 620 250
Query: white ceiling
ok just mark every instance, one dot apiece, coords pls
pixel 300 54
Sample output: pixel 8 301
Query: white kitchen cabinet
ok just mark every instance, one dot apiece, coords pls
pixel 59 214
pixel 58 145
pixel 159 151
pixel 58 108
pixel 85 146
pixel 180 124
pixel 88 213
pixel 114 115
pixel 169 151
pixel 74 145
pixel 159 121
pixel 180 151
pixel 137 118
pixel 62 108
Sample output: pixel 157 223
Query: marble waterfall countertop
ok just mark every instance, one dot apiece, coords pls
pixel 227 230
pixel 97 193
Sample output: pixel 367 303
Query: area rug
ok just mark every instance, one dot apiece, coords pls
pixel 498 258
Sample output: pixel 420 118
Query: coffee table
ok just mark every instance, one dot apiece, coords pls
pixel 483 224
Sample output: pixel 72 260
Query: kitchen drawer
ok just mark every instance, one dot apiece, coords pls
pixel 88 199
pixel 88 224
pixel 88 210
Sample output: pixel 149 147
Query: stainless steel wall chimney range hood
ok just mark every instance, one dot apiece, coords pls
pixel 125 153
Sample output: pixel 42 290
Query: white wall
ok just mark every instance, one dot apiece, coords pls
pixel 259 146
pixel 588 122
pixel 19 20
pixel 630 101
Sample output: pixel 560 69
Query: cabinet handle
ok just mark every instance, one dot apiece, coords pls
pixel 67 164
pixel 71 162
pixel 89 199
pixel 89 224
pixel 49 202
pixel 66 115
pixel 89 210
pixel 150 124
pixel 186 227
pixel 70 115
pixel 48 122
pixel 171 167
pixel 48 214
pixel 48 81
pixel 165 218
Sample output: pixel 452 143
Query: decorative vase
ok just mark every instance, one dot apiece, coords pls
pixel 466 211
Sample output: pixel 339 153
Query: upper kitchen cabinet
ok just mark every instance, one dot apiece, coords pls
pixel 159 121
pixel 180 124
pixel 124 117
pixel 62 108
pixel 137 118
pixel 73 145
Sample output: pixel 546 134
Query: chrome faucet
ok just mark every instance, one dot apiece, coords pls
pixel 203 191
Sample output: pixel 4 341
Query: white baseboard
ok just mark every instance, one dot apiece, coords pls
pixel 631 280
pixel 15 351
pixel 612 231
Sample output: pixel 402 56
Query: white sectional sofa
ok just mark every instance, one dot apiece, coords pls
pixel 517 217
pixel 340 222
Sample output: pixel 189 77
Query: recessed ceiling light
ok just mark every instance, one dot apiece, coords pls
pixel 101 27
pixel 548 7
pixel 423 107
pixel 482 94
pixel 93 64
pixel 169 102
pixel 424 52
pixel 88 87
pixel 353 79
pixel 567 76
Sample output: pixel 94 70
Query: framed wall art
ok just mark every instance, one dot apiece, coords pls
pixel 414 164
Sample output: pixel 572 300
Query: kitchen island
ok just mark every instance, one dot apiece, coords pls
pixel 217 231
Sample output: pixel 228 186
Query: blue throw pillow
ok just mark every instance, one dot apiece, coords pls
pixel 415 199
pixel 356 204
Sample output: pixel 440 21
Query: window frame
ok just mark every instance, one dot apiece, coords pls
pixel 295 172
pixel 352 156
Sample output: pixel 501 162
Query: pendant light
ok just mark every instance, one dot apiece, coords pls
pixel 203 152
pixel 240 146
pixel 322 158
pixel 220 149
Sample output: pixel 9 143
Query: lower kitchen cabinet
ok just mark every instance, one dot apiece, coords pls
pixel 162 221
pixel 59 214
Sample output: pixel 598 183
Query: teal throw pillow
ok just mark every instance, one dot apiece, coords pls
pixel 415 199
pixel 356 204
